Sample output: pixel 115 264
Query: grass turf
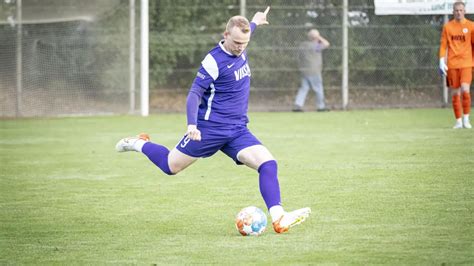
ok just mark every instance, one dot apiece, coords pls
pixel 385 187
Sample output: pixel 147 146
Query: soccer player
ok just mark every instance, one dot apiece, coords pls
pixel 216 109
pixel 456 44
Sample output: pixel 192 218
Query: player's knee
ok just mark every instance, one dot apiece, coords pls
pixel 173 169
pixel 178 161
pixel 270 164
pixel 170 172
pixel 176 166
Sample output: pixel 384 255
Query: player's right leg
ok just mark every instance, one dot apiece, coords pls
pixel 179 161
pixel 132 143
pixel 170 162
pixel 457 108
pixel 454 83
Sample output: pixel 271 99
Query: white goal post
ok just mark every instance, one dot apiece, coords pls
pixel 144 59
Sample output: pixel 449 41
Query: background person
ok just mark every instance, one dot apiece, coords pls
pixel 310 65
pixel 456 41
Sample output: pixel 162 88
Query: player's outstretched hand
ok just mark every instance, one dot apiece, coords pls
pixel 193 133
pixel 260 18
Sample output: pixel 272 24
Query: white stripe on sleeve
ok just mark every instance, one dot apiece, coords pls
pixel 210 65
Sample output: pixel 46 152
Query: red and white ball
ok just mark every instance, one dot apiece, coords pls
pixel 251 221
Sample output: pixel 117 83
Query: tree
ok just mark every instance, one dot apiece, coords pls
pixel 181 33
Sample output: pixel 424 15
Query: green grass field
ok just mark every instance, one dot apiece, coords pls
pixel 385 186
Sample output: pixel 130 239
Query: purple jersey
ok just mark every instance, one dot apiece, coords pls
pixel 223 80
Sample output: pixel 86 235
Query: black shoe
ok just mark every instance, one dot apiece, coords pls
pixel 297 110
pixel 323 110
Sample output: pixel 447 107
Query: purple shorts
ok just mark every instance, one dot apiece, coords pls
pixel 230 139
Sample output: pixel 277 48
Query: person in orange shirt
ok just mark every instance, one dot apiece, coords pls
pixel 456 43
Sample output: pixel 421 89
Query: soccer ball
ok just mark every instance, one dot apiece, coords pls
pixel 251 221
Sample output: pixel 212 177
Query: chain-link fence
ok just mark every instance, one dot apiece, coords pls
pixel 75 54
pixel 392 59
pixel 64 57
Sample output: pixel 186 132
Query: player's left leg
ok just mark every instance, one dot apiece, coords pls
pixel 246 149
pixel 466 79
pixel 258 157
pixel 466 105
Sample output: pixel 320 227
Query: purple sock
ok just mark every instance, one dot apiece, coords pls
pixel 158 155
pixel 269 186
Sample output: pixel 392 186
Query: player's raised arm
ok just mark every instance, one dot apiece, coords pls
pixel 260 18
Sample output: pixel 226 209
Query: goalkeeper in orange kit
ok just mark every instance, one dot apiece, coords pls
pixel 456 43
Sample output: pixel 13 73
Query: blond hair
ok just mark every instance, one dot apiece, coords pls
pixel 459 3
pixel 240 22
